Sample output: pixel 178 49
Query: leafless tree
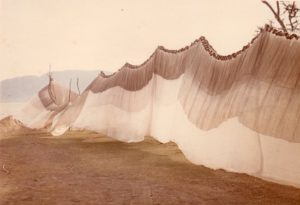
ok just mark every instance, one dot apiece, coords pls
pixel 282 10
pixel 292 10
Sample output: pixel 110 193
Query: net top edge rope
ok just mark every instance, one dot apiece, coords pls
pixel 208 48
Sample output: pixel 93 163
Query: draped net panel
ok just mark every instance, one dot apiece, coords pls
pixel 239 112
pixel 51 101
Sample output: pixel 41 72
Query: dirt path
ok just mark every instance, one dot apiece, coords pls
pixel 86 168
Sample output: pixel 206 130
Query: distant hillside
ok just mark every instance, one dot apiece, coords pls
pixel 23 88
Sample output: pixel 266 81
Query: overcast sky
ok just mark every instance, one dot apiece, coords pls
pixel 104 34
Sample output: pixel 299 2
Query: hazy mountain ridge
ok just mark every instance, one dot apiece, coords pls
pixel 23 88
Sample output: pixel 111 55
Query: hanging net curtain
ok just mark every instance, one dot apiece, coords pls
pixel 239 112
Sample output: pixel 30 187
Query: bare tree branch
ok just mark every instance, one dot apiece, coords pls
pixel 291 9
pixel 277 15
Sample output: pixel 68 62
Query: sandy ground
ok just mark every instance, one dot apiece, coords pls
pixel 87 168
